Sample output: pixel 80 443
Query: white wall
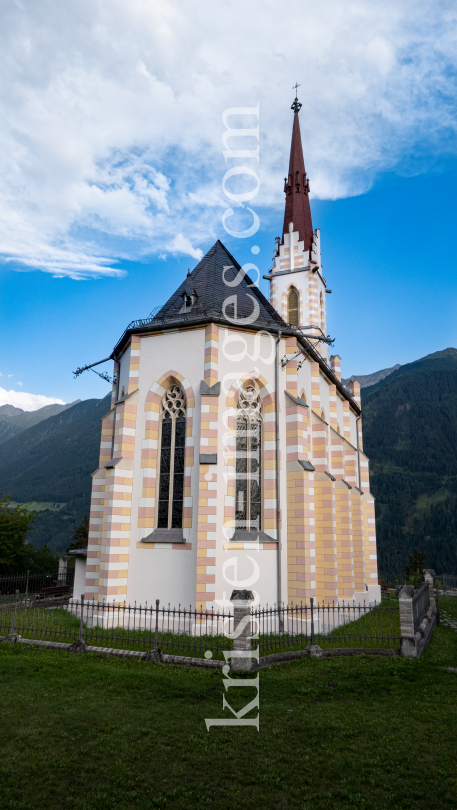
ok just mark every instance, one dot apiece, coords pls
pixel 124 371
pixel 79 585
pixel 255 570
pixel 162 573
pixel 165 573
pixel 325 397
pixel 340 413
pixel 304 381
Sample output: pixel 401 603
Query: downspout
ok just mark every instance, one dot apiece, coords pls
pixel 278 474
pixel 358 450
pixel 114 408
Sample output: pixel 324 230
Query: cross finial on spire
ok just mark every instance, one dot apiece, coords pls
pixel 296 106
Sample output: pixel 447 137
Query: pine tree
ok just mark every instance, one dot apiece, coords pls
pixel 415 567
pixel 14 525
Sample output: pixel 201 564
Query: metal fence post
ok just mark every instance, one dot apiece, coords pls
pixel 156 635
pixel 313 637
pixel 27 587
pixel 13 629
pixel 437 601
pixel 81 619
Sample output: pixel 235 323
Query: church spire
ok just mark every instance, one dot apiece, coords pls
pixel 296 187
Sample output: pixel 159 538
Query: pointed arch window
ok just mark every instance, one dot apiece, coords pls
pixel 172 446
pixel 293 307
pixel 248 491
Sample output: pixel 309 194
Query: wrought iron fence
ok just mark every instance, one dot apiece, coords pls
pixel 421 603
pixel 448 582
pixel 29 586
pixel 337 624
pixel 203 633
pixel 178 631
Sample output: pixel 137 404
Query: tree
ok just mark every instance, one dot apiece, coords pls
pixel 40 560
pixel 415 567
pixel 14 525
pixel 80 537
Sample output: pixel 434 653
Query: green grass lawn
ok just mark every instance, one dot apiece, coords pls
pixel 94 733
pixel 38 506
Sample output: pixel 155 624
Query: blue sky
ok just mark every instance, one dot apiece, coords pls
pixel 111 168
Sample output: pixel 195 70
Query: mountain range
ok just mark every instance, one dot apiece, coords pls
pixel 410 436
pixel 371 379
pixel 14 420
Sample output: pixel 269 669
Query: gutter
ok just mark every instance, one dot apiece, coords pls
pixel 358 450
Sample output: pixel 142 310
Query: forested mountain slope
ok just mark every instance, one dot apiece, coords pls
pixel 15 420
pixel 410 436
pixel 52 462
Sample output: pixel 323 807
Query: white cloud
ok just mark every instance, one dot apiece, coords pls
pixel 18 383
pixel 28 402
pixel 110 116
pixel 181 244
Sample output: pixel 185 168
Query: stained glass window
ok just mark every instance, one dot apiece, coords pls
pixel 172 446
pixel 248 490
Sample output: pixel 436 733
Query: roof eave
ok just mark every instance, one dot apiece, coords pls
pixel 273 328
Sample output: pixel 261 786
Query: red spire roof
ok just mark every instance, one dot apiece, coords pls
pixel 296 187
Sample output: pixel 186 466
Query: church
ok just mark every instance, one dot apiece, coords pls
pixel 232 454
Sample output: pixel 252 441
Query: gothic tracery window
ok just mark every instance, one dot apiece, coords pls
pixel 293 307
pixel 248 491
pixel 172 446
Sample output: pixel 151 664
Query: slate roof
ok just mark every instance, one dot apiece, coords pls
pixel 210 281
pixel 209 287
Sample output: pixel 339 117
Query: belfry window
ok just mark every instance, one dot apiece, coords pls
pixel 248 490
pixel 172 446
pixel 293 307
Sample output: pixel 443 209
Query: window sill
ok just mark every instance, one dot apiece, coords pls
pixel 164 536
pixel 243 536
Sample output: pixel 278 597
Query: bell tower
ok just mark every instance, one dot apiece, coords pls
pixel 297 286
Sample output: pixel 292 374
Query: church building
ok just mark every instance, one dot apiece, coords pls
pixel 232 454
